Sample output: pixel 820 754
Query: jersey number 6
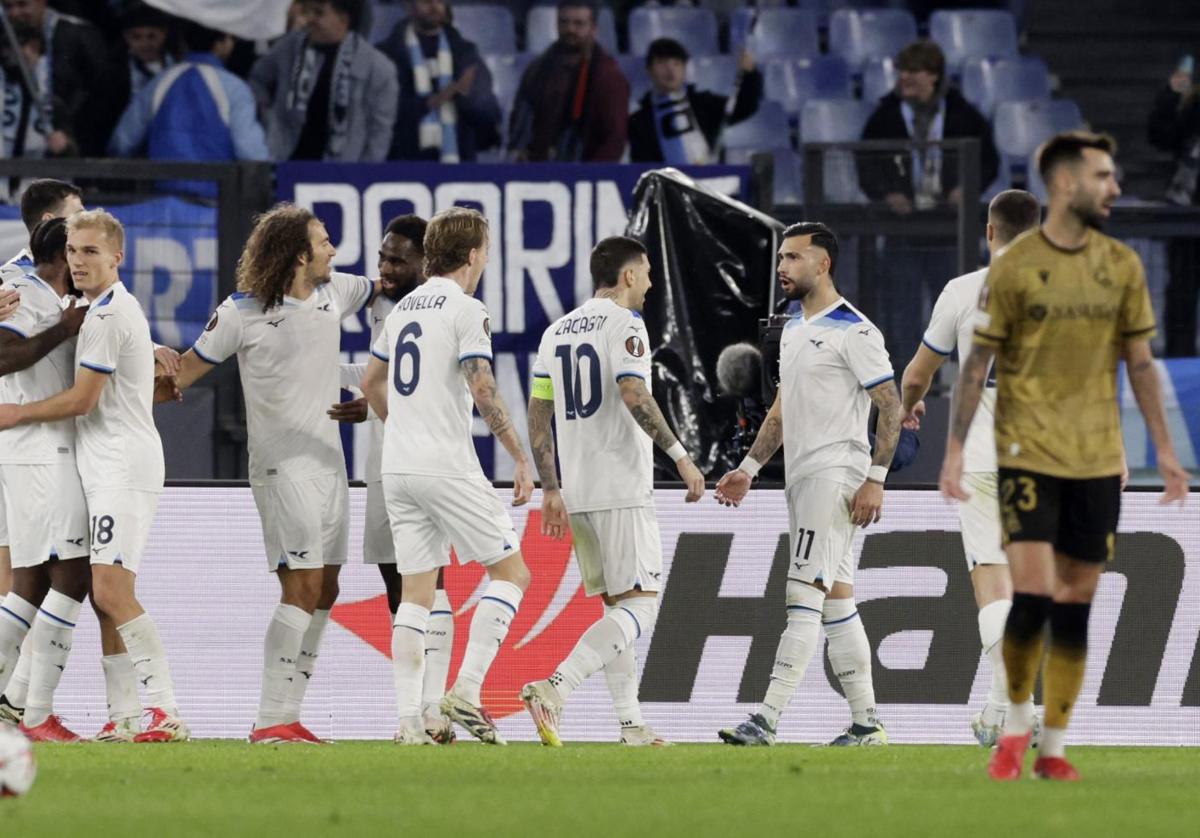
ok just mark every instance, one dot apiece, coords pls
pixel 407 348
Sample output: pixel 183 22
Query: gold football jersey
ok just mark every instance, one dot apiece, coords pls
pixel 1058 320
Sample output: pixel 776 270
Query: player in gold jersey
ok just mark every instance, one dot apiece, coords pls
pixel 1061 306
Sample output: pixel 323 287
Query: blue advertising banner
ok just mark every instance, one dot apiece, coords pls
pixel 170 262
pixel 544 220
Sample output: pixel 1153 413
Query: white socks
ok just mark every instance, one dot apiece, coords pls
pixel 285 635
pixel 439 644
pixel 489 626
pixel 409 629
pixel 1054 742
pixel 16 619
pixel 141 638
pixel 120 686
pixel 796 648
pixel 992 618
pixel 1019 720
pixel 622 677
pixel 306 663
pixel 604 640
pixel 850 654
pixel 50 648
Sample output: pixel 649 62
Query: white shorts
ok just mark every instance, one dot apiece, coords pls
pixel 979 517
pixel 618 550
pixel 49 513
pixel 120 526
pixel 305 523
pixel 377 545
pixel 822 535
pixel 3 516
pixel 430 514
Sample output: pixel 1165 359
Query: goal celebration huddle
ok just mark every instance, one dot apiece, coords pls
pixel 1034 461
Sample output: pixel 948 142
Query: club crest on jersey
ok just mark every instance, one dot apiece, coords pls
pixel 212 323
pixel 635 346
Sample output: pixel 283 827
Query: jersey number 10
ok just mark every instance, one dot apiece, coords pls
pixel 572 374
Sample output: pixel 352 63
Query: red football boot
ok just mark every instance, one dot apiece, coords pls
pixel 51 730
pixel 1009 757
pixel 307 735
pixel 278 735
pixel 1055 768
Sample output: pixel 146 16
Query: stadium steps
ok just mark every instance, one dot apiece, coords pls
pixel 1112 57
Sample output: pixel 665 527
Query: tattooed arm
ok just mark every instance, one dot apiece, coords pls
pixel 887 427
pixel 541 440
pixel 732 488
pixel 967 393
pixel 482 384
pixel 1143 378
pixel 640 402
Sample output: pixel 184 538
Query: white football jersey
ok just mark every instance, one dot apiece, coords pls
pixel 118 445
pixel 16 267
pixel 951 326
pixel 42 443
pixel 288 360
pixel 425 340
pixel 827 363
pixel 377 316
pixel 607 460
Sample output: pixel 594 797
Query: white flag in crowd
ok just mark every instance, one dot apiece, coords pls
pixel 253 20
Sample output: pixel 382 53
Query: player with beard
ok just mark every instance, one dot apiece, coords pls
pixel 833 366
pixel 284 324
pixel 1061 306
pixel 401 254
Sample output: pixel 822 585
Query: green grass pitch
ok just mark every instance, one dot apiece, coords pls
pixel 221 788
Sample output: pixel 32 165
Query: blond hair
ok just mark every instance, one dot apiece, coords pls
pixel 98 219
pixel 450 237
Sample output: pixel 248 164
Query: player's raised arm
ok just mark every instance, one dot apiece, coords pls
pixel 18 352
pixel 482 384
pixel 640 402
pixel 1143 378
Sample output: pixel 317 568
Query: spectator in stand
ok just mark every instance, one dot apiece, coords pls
pixel 197 110
pixel 1174 126
pixel 679 125
pixel 573 101
pixel 74 78
pixel 26 121
pixel 447 110
pixel 327 94
pixel 923 108
pixel 146 33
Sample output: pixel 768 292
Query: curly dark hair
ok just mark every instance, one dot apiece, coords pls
pixel 268 262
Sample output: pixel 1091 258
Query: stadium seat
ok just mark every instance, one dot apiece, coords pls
pixel 695 28
pixel 634 68
pixel 507 71
pixel 788 179
pixel 823 77
pixel 836 121
pixel 714 73
pixel 1020 127
pixel 973 33
pixel 778 84
pixel 987 82
pixel 490 28
pixel 879 77
pixel 783 33
pixel 541 28
pixel 384 17
pixel 767 129
pixel 860 35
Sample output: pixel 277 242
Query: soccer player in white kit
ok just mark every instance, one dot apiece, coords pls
pixel 951 327
pixel 43 199
pixel 119 454
pixel 284 325
pixel 401 271
pixel 47 509
pixel 591 376
pixel 833 366
pixel 432 360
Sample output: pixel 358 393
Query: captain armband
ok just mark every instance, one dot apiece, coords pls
pixel 543 388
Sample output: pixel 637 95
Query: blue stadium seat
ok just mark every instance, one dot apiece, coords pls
pixel 634 68
pixel 973 33
pixel 695 28
pixel 779 85
pixel 1020 127
pixel 879 77
pixel 788 180
pixel 384 17
pixel 490 28
pixel 767 129
pixel 823 77
pixel 507 71
pixel 835 121
pixel 541 28
pixel 989 81
pixel 860 35
pixel 714 73
pixel 783 33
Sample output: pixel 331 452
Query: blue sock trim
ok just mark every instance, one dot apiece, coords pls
pixel 410 628
pixel 443 613
pixel 507 605
pixel 15 616
pixel 55 618
pixel 839 622
pixel 803 608
pixel 633 617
